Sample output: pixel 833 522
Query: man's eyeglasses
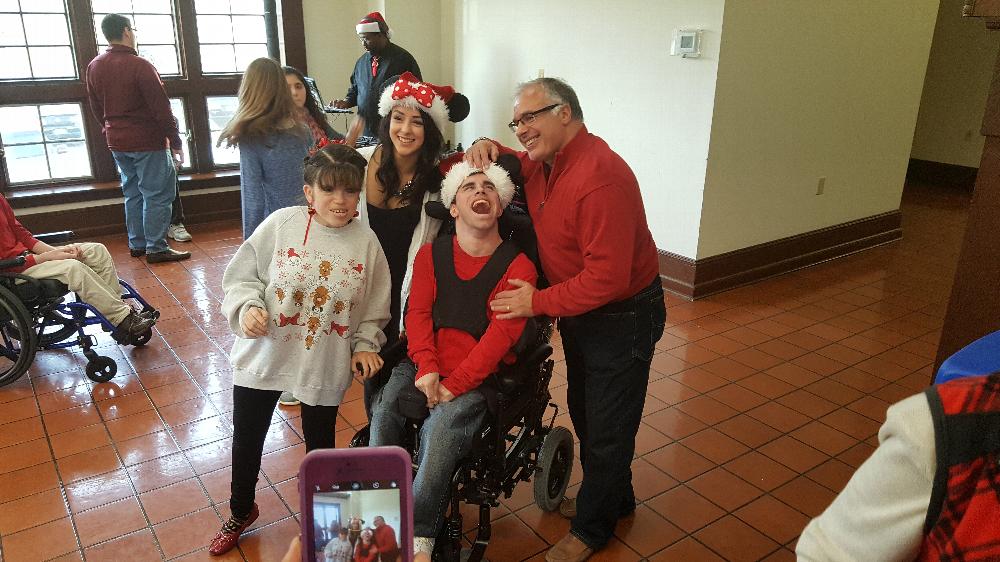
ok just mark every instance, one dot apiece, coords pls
pixel 530 116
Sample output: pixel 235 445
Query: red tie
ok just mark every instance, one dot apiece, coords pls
pixel 374 66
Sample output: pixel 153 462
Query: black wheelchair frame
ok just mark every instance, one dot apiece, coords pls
pixel 36 314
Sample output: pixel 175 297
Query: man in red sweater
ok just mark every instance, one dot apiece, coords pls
pixel 385 540
pixel 453 339
pixel 87 269
pixel 127 97
pixel 600 260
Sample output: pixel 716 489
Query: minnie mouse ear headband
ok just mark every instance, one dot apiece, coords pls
pixel 373 23
pixel 461 170
pixel 442 103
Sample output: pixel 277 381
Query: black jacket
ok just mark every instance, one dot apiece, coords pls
pixel 366 90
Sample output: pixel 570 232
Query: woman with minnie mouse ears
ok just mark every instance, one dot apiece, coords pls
pixel 402 176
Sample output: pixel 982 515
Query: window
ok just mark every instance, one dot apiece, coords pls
pixel 44 142
pixel 48 135
pixel 230 34
pixel 35 40
pixel 153 22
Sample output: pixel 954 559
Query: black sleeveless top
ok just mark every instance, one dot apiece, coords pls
pixel 394 229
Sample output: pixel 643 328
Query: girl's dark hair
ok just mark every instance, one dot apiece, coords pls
pixel 335 165
pixel 311 105
pixel 428 176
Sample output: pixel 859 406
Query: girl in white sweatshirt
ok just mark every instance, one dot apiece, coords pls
pixel 308 295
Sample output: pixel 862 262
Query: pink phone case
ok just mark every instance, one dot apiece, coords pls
pixel 325 467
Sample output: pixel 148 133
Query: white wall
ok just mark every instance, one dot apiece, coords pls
pixel 653 109
pixel 955 89
pixel 809 89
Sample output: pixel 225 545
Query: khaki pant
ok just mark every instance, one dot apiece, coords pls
pixel 93 277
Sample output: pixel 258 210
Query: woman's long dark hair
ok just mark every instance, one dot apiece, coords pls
pixel 427 177
pixel 315 111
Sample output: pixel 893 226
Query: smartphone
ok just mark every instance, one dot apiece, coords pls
pixel 356 501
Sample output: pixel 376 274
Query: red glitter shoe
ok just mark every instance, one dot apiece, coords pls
pixel 230 533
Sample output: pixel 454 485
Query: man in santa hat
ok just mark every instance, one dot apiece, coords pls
pixel 382 61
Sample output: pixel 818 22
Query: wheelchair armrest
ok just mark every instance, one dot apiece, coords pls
pixel 510 377
pixel 59 237
pixel 394 353
pixel 412 404
pixel 16 261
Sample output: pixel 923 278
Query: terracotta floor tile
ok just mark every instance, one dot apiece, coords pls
pixel 647 480
pixel 27 481
pixel 146 447
pixel 793 453
pixel 202 432
pixel 673 423
pixel 126 405
pixel 842 353
pixel 735 540
pixel 728 369
pixel 833 474
pixel 766 385
pixel 753 357
pixel 667 364
pixel 270 543
pixel 72 418
pixel 21 431
pixel 721 344
pixel 819 364
pixel 210 457
pixel 689 331
pixel 647 439
pixel 859 380
pixel 162 376
pixel 760 471
pixel 670 391
pixel 699 379
pixel 283 464
pixel 824 438
pixel 66 398
pixel 834 391
pixel 79 440
pixel 40 543
pixel 685 508
pixel 136 425
pixel 97 491
pixel 805 495
pixel 31 511
pixel 24 455
pixel 737 397
pixel 174 393
pixel 851 423
pixel 748 431
pixel 857 454
pixel 779 417
pixel 773 518
pixel 715 446
pixel 679 462
pixel 706 409
pixel 188 533
pixel 109 521
pixel 805 340
pixel 781 349
pixel 724 489
pixel 747 335
pixel 136 546
pixel 174 500
pixel 160 472
pixel 693 354
pixel 793 374
pixel 870 407
pixel 688 550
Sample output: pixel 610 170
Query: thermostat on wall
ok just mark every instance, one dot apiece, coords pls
pixel 686 43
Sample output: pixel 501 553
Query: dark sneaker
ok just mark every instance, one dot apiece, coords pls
pixel 169 254
pixel 137 253
pixel 133 326
pixel 227 538
pixel 151 313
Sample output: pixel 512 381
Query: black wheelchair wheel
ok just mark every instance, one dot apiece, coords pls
pixel 101 369
pixel 143 338
pixel 361 438
pixel 555 464
pixel 18 340
pixel 59 329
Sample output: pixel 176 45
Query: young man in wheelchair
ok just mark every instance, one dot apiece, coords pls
pixel 454 341
pixel 86 269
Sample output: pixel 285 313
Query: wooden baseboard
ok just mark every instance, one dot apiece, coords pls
pixel 695 279
pixel 940 174
pixel 87 222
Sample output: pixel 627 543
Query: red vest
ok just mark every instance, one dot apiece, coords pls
pixel 963 517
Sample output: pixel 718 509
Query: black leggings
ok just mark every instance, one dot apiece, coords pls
pixel 252 412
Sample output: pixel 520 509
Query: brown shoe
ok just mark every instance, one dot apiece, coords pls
pixel 567 508
pixel 169 254
pixel 569 549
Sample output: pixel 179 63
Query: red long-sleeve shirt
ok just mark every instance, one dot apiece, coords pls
pixel 462 362
pixel 385 539
pixel 127 97
pixel 593 238
pixel 14 238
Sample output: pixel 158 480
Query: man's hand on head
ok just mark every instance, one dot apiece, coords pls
pixel 482 153
pixel 514 303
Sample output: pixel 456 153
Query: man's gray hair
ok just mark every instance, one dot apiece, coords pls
pixel 558 91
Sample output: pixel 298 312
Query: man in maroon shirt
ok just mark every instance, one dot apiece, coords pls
pixel 127 97
pixel 453 339
pixel 385 540
pixel 599 257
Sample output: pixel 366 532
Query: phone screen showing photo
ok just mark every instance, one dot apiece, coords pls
pixel 356 520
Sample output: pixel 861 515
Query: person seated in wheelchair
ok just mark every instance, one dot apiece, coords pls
pixel 86 269
pixel 454 341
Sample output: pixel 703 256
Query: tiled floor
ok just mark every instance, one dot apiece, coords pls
pixel 762 401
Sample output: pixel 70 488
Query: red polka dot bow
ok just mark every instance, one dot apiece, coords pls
pixel 409 86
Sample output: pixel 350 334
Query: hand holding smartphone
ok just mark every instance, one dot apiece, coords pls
pixel 356 504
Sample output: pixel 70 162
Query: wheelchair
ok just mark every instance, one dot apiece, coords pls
pixel 41 314
pixel 517 442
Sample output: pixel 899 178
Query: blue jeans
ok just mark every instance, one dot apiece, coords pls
pixel 149 184
pixel 608 352
pixel 444 440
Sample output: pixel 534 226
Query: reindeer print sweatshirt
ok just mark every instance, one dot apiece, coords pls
pixel 326 295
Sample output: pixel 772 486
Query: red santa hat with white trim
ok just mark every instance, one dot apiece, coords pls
pixel 442 103
pixel 373 23
pixel 461 170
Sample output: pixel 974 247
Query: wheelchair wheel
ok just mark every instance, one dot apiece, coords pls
pixel 57 328
pixel 555 463
pixel 361 438
pixel 101 369
pixel 18 341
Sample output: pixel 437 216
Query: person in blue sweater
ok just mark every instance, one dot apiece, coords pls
pixel 272 143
